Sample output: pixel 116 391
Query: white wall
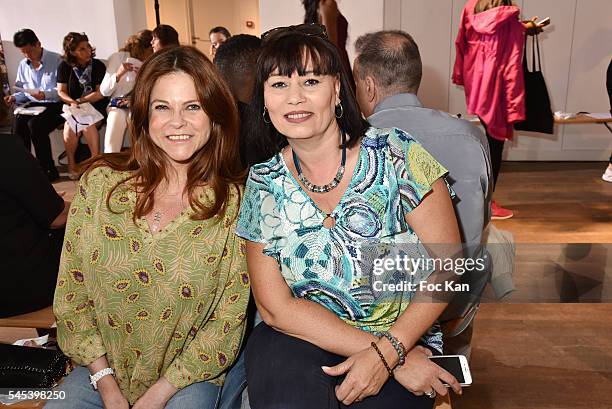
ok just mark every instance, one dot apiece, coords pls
pixel 363 16
pixel 107 23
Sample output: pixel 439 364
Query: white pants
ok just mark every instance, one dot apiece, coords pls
pixel 116 123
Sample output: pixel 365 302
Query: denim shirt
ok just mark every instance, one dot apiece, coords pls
pixel 44 78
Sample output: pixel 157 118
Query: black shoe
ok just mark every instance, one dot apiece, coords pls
pixel 52 174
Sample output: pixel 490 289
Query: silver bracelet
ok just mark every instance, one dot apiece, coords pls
pixel 93 379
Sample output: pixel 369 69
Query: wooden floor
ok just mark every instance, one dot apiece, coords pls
pixel 535 355
pixel 550 355
pixel 556 202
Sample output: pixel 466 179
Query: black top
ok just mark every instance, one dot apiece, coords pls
pixel 66 75
pixel 252 150
pixel 28 205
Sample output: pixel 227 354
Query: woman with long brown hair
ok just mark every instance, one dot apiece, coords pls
pixel 153 288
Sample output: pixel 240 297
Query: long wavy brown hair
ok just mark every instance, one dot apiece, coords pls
pixel 138 44
pixel 216 165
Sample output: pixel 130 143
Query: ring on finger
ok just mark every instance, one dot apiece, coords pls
pixel 431 394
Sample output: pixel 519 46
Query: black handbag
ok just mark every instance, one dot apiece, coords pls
pixel 28 367
pixel 539 116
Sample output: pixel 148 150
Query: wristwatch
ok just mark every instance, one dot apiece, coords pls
pixel 93 379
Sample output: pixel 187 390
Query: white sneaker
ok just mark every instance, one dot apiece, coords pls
pixel 607 176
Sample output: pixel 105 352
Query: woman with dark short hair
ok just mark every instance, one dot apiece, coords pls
pixel 164 36
pixel 218 35
pixel 78 81
pixel 332 185
pixel 152 290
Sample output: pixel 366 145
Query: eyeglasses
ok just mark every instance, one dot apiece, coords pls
pixel 310 30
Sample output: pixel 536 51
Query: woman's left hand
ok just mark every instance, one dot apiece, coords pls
pixel 156 396
pixel 365 376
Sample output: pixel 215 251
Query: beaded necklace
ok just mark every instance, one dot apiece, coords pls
pixel 335 181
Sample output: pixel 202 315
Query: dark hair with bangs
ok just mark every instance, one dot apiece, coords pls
pixel 285 52
pixel 217 164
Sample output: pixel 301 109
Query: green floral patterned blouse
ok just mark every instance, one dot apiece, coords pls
pixel 172 304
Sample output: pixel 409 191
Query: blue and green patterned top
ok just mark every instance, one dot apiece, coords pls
pixel 393 174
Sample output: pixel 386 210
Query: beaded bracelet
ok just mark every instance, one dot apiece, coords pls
pixel 382 358
pixel 397 345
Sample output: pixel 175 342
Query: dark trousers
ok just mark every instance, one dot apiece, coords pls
pixel 284 372
pixel 35 129
pixel 496 148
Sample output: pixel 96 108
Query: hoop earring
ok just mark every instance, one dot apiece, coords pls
pixel 263 115
pixel 339 106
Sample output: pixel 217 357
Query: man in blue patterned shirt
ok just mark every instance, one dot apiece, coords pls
pixel 36 86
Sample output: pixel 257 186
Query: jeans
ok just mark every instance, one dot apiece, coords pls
pixel 80 394
pixel 235 381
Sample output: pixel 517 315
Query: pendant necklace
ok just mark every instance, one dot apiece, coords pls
pixel 328 221
pixel 158 215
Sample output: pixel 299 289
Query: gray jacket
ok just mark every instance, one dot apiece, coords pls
pixel 458 145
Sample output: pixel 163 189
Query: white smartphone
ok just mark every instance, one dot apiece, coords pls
pixel 543 22
pixel 457 365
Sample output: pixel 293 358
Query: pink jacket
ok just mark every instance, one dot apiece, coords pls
pixel 489 66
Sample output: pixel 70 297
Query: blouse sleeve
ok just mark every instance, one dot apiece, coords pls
pixel 109 83
pixel 217 343
pixel 250 219
pixel 421 170
pixel 77 330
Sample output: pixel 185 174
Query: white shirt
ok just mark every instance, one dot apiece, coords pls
pixel 110 87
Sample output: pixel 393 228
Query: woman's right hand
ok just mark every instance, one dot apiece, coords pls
pixel 123 69
pixel 365 376
pixel 111 394
pixel 116 403
pixel 420 376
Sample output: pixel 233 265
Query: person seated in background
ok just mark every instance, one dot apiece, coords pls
pixel 218 35
pixel 236 59
pixel 32 220
pixel 37 76
pixel 387 71
pixel 118 82
pixel 78 81
pixel 153 285
pixel 334 186
pixel 164 36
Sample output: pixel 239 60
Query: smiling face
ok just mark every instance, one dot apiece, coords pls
pixel 82 53
pixel 302 107
pixel 178 124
